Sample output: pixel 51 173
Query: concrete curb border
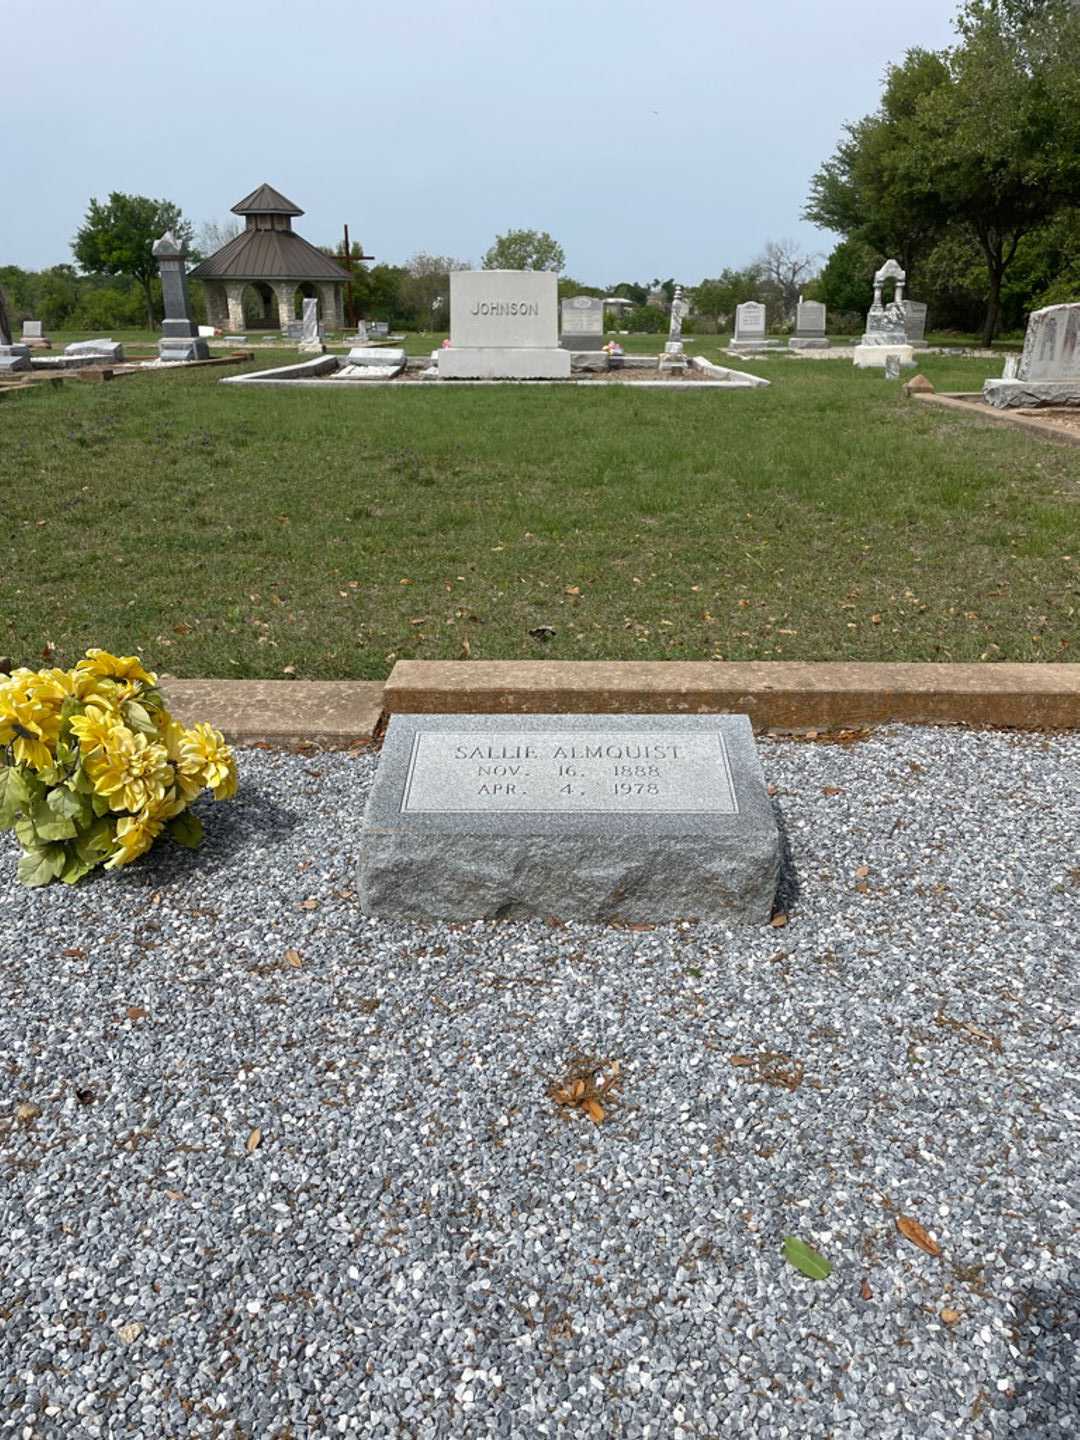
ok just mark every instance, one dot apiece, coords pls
pixel 786 696
pixel 966 403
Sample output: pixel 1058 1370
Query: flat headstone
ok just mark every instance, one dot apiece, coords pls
pixel 585 817
pixel 95 349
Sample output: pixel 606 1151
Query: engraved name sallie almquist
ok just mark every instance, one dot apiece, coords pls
pixel 607 772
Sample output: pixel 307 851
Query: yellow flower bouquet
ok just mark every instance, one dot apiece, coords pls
pixel 93 768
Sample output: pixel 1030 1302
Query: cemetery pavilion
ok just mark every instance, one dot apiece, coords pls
pixel 279 266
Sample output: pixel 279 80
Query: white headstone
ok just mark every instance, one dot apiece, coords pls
pixel 310 332
pixel 504 324
pixel 749 321
pixel 810 320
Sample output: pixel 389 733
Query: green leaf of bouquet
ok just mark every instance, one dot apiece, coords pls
pixel 75 867
pixel 138 717
pixel 25 832
pixel 50 826
pixel 14 795
pixel 100 804
pixel 96 843
pixel 806 1259
pixel 67 805
pixel 41 864
pixel 186 830
pixel 71 707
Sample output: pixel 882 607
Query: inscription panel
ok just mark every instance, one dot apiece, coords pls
pixel 504 309
pixel 605 772
pixel 583 315
pixel 750 319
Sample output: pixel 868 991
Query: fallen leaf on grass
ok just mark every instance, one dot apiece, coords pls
pixel 917 1234
pixel 806 1259
pixel 254 1140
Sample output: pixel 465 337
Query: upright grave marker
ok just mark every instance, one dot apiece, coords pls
pixel 885 333
pixel 504 326
pixel 750 326
pixel 181 338
pixel 309 336
pixel 1049 368
pixel 915 323
pixel 810 331
pixel 582 323
pixel 585 817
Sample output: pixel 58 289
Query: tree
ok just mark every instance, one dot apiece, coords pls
pixel 627 290
pixel 427 280
pixel 118 239
pixel 846 283
pixel 718 298
pixel 525 250
pixel 785 270
pixel 213 234
pixel 999 145
pixel 984 137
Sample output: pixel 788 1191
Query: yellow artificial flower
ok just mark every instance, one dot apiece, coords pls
pixel 29 728
pixel 205 758
pixel 93 728
pixel 131 770
pixel 114 667
pixel 134 836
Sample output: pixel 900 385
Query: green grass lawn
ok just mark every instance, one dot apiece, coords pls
pixel 231 532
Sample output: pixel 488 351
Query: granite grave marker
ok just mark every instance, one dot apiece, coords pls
pixel 1049 368
pixel 181 340
pixel 585 817
pixel 582 323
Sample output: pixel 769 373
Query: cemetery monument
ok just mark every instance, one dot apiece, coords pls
pixel 181 339
pixel 310 341
pixel 885 324
pixel 915 323
pixel 582 323
pixel 810 331
pixel 1049 368
pixel 641 818
pixel 749 327
pixel 32 336
pixel 504 325
pixel 673 358
pixel 13 358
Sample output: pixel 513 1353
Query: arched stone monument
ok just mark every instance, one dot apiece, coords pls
pixel 885 323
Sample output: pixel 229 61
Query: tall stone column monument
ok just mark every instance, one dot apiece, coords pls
pixel 180 335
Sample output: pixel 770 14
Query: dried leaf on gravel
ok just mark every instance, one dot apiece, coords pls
pixel 130 1333
pixel 74 953
pixel 27 1112
pixel 778 921
pixel 254 1140
pixel 294 958
pixel 950 1317
pixel 806 1259
pixel 862 872
pixel 309 904
pixel 865 1291
pixel 917 1234
pixel 136 1013
pixel 588 1086
pixel 773 1067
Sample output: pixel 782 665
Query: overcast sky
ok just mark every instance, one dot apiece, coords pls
pixel 649 140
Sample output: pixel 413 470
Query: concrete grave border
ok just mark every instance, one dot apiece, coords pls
pixel 316 373
pixel 778 695
pixel 975 407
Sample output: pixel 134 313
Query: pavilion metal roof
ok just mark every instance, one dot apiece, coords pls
pixel 269 255
pixel 266 201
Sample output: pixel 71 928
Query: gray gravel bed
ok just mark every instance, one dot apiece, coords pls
pixel 422 1243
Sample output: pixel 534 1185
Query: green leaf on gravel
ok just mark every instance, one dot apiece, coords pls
pixel 806 1259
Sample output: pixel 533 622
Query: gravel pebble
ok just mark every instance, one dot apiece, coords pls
pixel 420 1243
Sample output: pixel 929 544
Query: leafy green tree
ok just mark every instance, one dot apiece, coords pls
pixel 718 298
pixel 627 290
pixel 984 136
pixel 865 192
pixel 427 280
pixel 525 250
pixel 846 284
pixel 118 238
